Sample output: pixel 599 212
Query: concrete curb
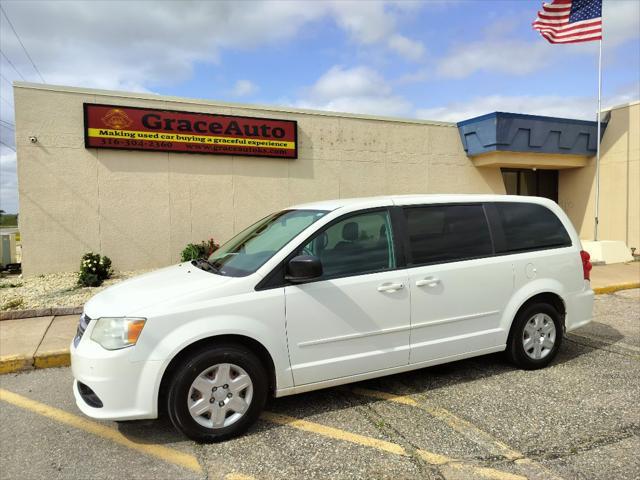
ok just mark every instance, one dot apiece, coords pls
pixel 20 363
pixel 616 288
pixel 56 358
pixel 15 363
pixel 40 312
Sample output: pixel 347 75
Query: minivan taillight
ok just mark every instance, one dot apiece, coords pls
pixel 586 264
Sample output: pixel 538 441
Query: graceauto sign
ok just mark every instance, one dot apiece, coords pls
pixel 133 128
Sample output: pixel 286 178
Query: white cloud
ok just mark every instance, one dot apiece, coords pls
pixel 356 81
pixel 243 88
pixel 621 21
pixel 405 47
pixel 493 55
pixel 551 105
pixel 355 90
pixel 366 22
pixel 374 22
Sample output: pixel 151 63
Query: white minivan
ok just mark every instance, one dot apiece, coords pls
pixel 329 293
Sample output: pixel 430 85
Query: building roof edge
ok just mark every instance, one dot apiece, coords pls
pixel 266 108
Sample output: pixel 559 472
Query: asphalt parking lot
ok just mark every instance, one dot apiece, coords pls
pixel 479 418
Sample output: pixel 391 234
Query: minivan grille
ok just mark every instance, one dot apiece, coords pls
pixel 82 326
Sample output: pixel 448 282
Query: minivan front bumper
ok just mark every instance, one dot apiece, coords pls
pixel 127 390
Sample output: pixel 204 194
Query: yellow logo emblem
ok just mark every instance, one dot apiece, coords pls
pixel 116 119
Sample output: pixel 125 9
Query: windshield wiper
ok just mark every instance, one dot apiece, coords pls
pixel 205 265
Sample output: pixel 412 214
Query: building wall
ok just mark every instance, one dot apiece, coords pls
pixel 619 210
pixel 142 208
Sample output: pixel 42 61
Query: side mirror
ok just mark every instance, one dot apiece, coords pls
pixel 303 268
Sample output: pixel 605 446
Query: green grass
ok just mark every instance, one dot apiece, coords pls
pixel 9 220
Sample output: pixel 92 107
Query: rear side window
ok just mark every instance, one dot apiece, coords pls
pixel 528 226
pixel 447 233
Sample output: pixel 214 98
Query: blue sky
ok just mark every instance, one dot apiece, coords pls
pixel 435 60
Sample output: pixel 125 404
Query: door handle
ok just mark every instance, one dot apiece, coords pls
pixel 429 282
pixel 390 287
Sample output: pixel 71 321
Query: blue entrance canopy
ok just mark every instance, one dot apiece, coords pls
pixel 516 132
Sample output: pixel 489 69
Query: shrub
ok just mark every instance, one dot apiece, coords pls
pixel 94 269
pixel 194 251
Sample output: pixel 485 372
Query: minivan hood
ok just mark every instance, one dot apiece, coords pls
pixel 167 284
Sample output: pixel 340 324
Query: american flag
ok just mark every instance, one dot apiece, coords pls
pixel 570 21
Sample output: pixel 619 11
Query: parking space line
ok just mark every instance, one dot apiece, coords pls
pixel 466 429
pixel 389 447
pixel 165 454
pixel 391 397
pixel 333 433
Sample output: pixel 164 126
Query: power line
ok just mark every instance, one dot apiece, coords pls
pixel 11 63
pixel 7 145
pixel 7 102
pixel 22 45
pixel 6 80
pixel 8 123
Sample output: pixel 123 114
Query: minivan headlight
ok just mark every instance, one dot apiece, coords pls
pixel 113 333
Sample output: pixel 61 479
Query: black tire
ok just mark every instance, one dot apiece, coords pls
pixel 515 348
pixel 192 367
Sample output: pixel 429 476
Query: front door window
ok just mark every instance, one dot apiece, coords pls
pixel 356 245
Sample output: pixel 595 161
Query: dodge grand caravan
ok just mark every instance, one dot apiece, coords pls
pixel 329 293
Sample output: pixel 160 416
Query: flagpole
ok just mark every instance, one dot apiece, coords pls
pixel 595 232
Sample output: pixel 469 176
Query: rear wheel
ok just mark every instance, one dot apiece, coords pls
pixel 535 337
pixel 218 393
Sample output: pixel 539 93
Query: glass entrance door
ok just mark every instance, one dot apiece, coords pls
pixel 538 183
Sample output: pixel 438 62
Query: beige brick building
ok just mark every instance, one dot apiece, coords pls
pixel 142 207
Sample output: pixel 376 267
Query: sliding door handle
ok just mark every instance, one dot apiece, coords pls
pixel 428 282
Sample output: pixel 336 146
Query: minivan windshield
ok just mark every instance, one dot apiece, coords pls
pixel 251 248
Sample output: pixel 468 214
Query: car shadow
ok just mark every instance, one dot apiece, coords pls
pixel 415 382
pixel 599 333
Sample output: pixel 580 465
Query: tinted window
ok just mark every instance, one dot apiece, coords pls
pixel 447 233
pixel 529 226
pixel 356 245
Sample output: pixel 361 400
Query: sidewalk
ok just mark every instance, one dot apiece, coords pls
pixel 617 276
pixel 39 342
pixel 43 342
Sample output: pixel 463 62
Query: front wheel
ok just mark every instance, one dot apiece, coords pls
pixel 535 337
pixel 218 393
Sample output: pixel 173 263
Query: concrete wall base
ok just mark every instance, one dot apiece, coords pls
pixel 608 251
